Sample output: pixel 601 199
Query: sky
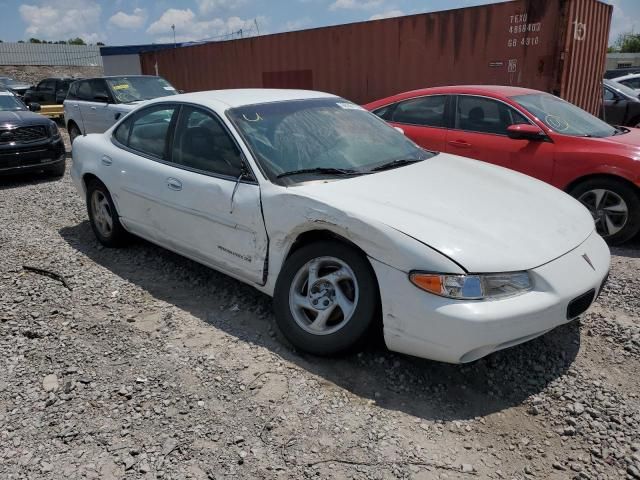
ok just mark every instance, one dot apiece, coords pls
pixel 122 22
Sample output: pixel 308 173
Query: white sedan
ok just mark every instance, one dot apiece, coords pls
pixel 343 220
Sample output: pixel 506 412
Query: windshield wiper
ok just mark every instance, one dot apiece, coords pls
pixel 322 170
pixel 395 164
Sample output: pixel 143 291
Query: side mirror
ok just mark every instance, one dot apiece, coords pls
pixel 117 115
pixel 525 131
pixel 35 107
pixel 101 97
pixel 401 130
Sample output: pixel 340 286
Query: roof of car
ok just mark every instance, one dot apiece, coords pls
pixel 488 90
pixel 248 96
pixel 499 90
pixel 625 77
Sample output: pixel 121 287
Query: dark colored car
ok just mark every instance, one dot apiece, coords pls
pixel 15 86
pixel 50 91
pixel 618 72
pixel 621 104
pixel 28 141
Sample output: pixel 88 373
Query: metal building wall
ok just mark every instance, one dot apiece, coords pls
pixel 520 43
pixel 50 54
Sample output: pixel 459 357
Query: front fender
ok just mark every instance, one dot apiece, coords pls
pixel 289 215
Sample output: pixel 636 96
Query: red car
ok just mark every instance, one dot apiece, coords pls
pixel 534 133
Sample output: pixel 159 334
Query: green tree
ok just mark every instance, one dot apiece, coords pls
pixel 627 43
pixel 76 41
pixel 35 40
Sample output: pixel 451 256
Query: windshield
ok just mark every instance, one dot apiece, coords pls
pixel 563 117
pixel 135 89
pixel 621 88
pixel 9 103
pixel 327 133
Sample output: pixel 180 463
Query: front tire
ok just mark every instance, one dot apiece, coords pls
pixel 614 205
pixel 326 298
pixel 58 170
pixel 103 216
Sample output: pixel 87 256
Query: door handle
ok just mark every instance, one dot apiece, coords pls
pixel 459 144
pixel 106 160
pixel 76 106
pixel 93 108
pixel 174 184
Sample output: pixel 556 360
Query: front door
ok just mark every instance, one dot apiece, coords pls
pixel 480 132
pixel 215 215
pixel 615 107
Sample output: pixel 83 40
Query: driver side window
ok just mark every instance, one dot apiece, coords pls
pixel 485 115
pixel 202 143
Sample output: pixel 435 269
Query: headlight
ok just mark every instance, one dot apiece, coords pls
pixel 473 287
pixel 53 130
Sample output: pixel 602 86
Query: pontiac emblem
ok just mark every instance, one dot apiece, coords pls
pixel 588 260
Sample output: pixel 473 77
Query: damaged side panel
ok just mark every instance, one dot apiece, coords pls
pixel 376 239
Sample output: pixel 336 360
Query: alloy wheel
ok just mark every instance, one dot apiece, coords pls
pixel 323 295
pixel 102 216
pixel 608 209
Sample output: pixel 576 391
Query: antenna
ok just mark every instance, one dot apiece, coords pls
pixel 255 20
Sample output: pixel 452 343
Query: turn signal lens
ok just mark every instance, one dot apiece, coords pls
pixel 430 283
pixel 473 287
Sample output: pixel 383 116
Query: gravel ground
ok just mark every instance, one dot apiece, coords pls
pixel 137 363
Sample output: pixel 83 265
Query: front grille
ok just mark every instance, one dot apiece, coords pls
pixel 23 134
pixel 580 304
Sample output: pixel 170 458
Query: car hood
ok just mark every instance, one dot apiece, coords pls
pixel 22 117
pixel 483 217
pixel 630 139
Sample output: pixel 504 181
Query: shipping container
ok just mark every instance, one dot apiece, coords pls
pixel 558 46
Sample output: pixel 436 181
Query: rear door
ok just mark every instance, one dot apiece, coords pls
pixel 423 119
pixel 480 132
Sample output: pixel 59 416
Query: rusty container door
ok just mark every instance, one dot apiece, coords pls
pixel 523 43
pixel 586 35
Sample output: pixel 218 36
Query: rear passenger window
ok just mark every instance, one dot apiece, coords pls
pixel 147 132
pixel 84 91
pixel 201 142
pixel 424 111
pixel 484 115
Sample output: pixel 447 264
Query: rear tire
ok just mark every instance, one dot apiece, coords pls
pixel 326 298
pixel 614 205
pixel 103 216
pixel 74 132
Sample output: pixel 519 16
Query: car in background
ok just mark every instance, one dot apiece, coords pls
pixel 631 80
pixel 28 142
pixel 93 105
pixel 621 104
pixel 346 222
pixel 534 133
pixel 50 91
pixel 619 72
pixel 17 87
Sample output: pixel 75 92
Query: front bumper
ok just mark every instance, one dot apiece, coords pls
pixel 29 158
pixel 418 323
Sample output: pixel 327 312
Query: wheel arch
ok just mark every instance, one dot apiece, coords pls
pixel 602 176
